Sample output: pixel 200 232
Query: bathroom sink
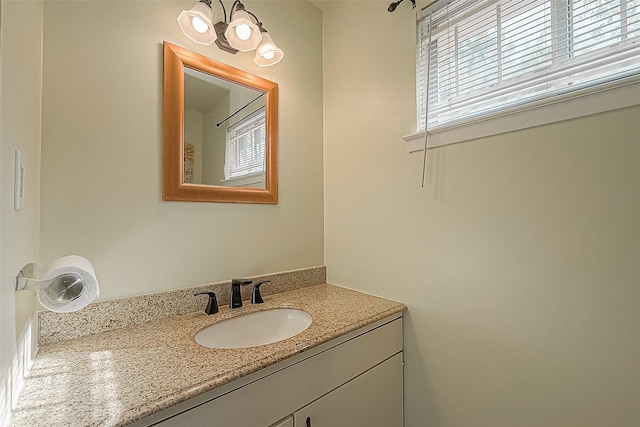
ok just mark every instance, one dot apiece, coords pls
pixel 255 329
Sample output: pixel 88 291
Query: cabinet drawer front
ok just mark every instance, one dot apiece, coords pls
pixel 267 400
pixel 373 399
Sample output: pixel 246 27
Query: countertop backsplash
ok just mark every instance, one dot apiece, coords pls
pixel 108 315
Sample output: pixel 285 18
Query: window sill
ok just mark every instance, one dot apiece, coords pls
pixel 613 96
pixel 253 180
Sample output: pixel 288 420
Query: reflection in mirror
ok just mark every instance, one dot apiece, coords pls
pixel 219 131
pixel 224 132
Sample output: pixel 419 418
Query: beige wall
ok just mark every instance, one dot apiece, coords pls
pixel 101 151
pixel 518 260
pixel 20 103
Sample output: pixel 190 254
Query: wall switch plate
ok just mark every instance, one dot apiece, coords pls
pixel 18 182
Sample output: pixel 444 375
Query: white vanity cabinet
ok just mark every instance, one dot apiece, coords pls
pixel 354 380
pixel 287 422
pixel 373 399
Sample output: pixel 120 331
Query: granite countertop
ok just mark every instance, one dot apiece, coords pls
pixel 117 377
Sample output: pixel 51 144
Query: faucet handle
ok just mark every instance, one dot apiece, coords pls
pixel 212 304
pixel 256 297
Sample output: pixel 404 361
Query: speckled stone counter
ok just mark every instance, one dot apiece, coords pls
pixel 120 376
pixel 107 315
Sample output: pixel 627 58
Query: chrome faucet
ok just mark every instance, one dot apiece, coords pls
pixel 235 300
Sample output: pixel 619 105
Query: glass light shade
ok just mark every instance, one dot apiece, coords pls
pixel 196 23
pixel 250 39
pixel 267 53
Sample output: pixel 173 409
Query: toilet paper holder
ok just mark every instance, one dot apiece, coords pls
pixel 69 285
pixel 29 277
pixel 63 288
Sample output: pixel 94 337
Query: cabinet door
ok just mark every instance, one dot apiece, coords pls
pixel 373 399
pixel 287 422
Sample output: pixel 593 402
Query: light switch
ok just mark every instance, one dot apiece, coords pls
pixel 18 182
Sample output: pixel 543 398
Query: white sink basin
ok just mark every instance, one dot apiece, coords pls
pixel 254 329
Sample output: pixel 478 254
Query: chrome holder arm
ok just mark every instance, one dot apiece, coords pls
pixel 29 277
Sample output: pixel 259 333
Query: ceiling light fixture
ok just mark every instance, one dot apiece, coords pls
pixel 240 33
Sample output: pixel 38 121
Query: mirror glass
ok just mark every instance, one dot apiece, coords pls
pixel 224 132
pixel 219 131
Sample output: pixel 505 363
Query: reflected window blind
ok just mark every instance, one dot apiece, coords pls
pixel 245 153
pixel 482 57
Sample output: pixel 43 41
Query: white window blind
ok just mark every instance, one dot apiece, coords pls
pixel 484 56
pixel 245 153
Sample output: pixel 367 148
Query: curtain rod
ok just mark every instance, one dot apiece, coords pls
pixel 241 108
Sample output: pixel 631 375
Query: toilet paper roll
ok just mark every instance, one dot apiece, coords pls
pixel 69 285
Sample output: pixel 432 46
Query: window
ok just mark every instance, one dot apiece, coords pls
pixel 481 57
pixel 245 153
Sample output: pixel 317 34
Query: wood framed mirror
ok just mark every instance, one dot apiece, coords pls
pixel 219 131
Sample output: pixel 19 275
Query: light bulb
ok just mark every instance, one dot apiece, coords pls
pixel 199 25
pixel 243 32
pixel 269 54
